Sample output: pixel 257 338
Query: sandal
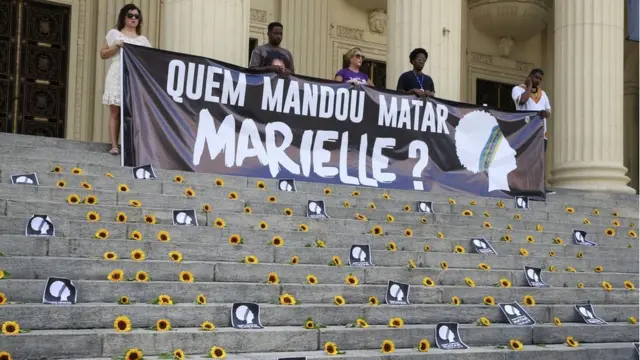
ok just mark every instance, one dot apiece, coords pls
pixel 114 151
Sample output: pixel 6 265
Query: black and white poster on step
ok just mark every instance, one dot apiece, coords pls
pixel 316 209
pixel 533 276
pixel 397 293
pixel 448 337
pixel 40 225
pixel 588 314
pixel 360 256
pixel 59 291
pixel 246 316
pixel 580 238
pixel 516 314
pixel 287 185
pixel 425 207
pixel 144 172
pixel 25 179
pixel 482 246
pixel 522 202
pixel 294 358
pixel 186 217
pixel 637 346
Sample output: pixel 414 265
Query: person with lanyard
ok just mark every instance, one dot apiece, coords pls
pixel 414 81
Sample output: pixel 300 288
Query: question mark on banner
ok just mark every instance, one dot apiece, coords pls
pixel 422 163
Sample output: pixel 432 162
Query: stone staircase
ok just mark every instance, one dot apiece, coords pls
pixel 86 330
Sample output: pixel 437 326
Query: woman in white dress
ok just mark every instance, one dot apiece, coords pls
pixel 128 30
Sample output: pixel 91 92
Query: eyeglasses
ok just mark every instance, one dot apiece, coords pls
pixel 133 16
pixel 359 56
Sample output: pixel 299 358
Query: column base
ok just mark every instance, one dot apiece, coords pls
pixel 591 176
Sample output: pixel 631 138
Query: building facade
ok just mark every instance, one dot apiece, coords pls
pixel 52 78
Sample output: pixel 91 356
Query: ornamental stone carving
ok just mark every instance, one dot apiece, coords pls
pixel 378 21
pixel 505 44
pixel 519 20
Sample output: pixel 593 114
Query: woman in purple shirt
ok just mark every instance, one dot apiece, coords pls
pixel 352 73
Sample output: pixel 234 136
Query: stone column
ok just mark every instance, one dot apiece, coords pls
pixel 306 35
pixel 217 29
pixel 588 84
pixel 435 25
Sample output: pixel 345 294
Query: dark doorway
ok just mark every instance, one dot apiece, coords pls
pixel 494 94
pixel 375 69
pixel 253 43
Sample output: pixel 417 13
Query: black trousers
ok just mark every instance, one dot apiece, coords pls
pixel 545 145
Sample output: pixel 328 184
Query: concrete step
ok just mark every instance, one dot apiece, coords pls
pixel 96 343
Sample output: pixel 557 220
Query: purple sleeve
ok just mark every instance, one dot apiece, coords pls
pixel 340 73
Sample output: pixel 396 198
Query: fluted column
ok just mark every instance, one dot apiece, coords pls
pixel 588 85
pixel 306 35
pixel 435 25
pixel 217 29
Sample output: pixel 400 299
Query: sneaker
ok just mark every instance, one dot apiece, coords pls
pixel 549 191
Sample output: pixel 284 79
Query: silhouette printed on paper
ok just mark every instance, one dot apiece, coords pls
pixel 144 172
pixel 482 246
pixel 588 314
pixel 25 179
pixel 448 337
pixel 397 293
pixel 287 185
pixel 522 202
pixel 425 207
pixel 185 217
pixel 516 314
pixel 59 291
pixel 533 277
pixel 40 225
pixel 246 316
pixel 316 209
pixel 481 147
pixel 360 255
pixel 580 238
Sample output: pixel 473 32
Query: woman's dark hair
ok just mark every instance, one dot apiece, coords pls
pixel 123 15
pixel 275 55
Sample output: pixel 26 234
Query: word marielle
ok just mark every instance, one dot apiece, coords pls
pixel 200 82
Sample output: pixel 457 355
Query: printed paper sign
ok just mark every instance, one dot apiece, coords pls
pixel 516 314
pixel 316 209
pixel 533 276
pixel 522 202
pixel 580 238
pixel 59 291
pixel 246 316
pixel 185 217
pixel 425 207
pixel 287 185
pixel 144 172
pixel 448 337
pixel 482 246
pixel 360 256
pixel 40 225
pixel 588 314
pixel 397 293
pixel 25 179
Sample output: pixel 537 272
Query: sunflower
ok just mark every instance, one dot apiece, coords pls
pixel 219 223
pixel 164 300
pixel 189 192
pixel 456 301
pixel 473 202
pixel 579 254
pixel 163 236
pixel 232 195
pixel 373 301
pixel 116 275
pixel 303 227
pixel 372 206
pixel 123 188
pixel 91 200
pixel 135 203
pixel 377 230
pixel 487 225
pixel 452 201
pixel 288 212
pixel 469 282
pixel 219 182
pixel 351 280
pixel 277 241
pixel 391 246
pixel 488 300
pixel 123 300
pixel 150 219
pixel 610 232
pixel 539 228
pixel 57 169
pixel 142 276
pixel 86 185
pixel 312 279
pixel 506 238
pixel 427 248
pixel 557 321
pixel 629 285
pixel 598 269
pixel 61 184
pixel 251 259
pixel 361 217
pixel 178 178
pixel 412 264
pixel 207 326
pixel 569 210
pixel 552 253
pixel 138 255
pixel 178 354
pixel 346 204
pixel 10 328
pixel 217 352
pixel 529 300
pixel 505 283
pixel 3 274
pixel 309 324
pixel 135 235
pixel 459 249
pixel 500 204
pixel 294 260
pixel 408 232
pixel 102 234
pixel 76 171
pixel 444 265
pixel 509 227
pixel 558 241
pixel 121 217
pixel 330 348
pixel 73 199
pixel 517 217
pixel 632 234
pixel 109 175
pixel 163 325
pixel 467 213
pixel 355 193
pixel 386 196
pixel 483 266
pixel 362 323
pixel 272 278
pixel 487 214
pixel 484 321
pixel 93 216
pixel 206 207
pixel 335 261
pixel 287 299
pixel 3 299
pixel 615 222
pixel 396 322
pixel 387 346
pixel 423 220
pixel 530 239
pixel 327 191
pixel 272 199
pixel 110 255
pixel 632 320
pixel 440 235
pixel 515 345
pixel 571 269
pixel 406 208
pixel 606 285
pixel 428 282
pixel 260 184
pixel 247 210
pixel 552 268
pixel 390 218
pixel 524 252
pixel 586 221
pixel 338 300
pixel 424 345
pixel 319 244
pixel 201 299
pixel 175 256
pixel 133 354
pixel 122 324
pixel 571 342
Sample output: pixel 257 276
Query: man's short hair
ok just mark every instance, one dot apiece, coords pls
pixel 536 71
pixel 273 25
pixel 416 51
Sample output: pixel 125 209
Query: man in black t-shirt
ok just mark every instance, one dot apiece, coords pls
pixel 414 81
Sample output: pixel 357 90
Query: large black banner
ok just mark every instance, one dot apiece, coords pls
pixel 191 113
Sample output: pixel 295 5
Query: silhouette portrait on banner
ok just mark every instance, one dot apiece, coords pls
pixel 516 314
pixel 316 209
pixel 246 316
pixel 25 179
pixel 448 337
pixel 533 277
pixel 425 207
pixel 360 255
pixel 482 246
pixel 185 217
pixel 588 314
pixel 580 238
pixel 40 225
pixel 481 147
pixel 287 185
pixel 522 202
pixel 144 172
pixel 59 291
pixel 397 293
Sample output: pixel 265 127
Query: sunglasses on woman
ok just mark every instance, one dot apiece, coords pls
pixel 133 16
